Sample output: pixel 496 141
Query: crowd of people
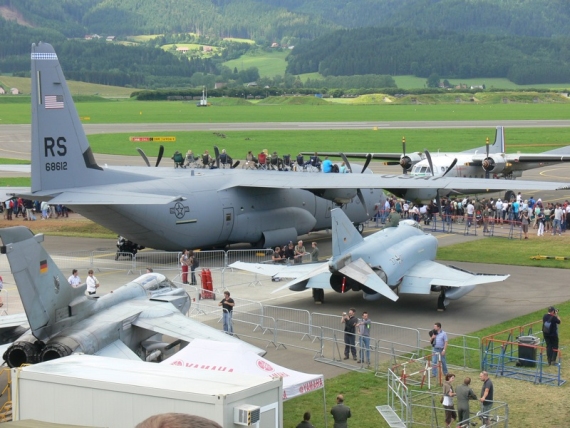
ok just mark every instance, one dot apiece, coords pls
pixel 27 209
pixel 545 217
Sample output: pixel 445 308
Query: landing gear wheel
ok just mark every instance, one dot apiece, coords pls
pixel 359 227
pixel 510 196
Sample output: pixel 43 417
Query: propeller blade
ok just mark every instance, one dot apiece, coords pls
pixel 143 155
pixel 360 272
pixel 368 159
pixel 346 162
pixel 217 153
pixel 487 155
pixel 404 152
pixel 362 201
pixel 428 156
pixel 236 163
pixel 160 153
pixel 450 167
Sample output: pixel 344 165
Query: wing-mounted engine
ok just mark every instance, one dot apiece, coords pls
pixel 338 196
pixel 408 161
pixel 494 164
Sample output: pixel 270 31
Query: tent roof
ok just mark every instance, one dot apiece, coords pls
pixel 234 357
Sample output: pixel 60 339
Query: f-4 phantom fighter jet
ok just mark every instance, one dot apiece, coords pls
pixel 394 261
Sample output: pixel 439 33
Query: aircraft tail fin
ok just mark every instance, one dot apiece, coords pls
pixel 43 288
pixel 499 145
pixel 344 234
pixel 61 155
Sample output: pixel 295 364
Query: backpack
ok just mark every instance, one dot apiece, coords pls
pixel 546 327
pixel 335 168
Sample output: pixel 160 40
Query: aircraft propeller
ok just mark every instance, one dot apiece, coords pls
pixel 449 168
pixel 487 157
pixel 145 158
pixel 405 161
pixel 358 191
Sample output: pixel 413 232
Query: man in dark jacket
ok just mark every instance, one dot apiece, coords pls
pixel 340 413
pixel 550 323
pixel 305 423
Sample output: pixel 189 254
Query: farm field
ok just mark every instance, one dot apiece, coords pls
pixel 270 63
pixel 131 111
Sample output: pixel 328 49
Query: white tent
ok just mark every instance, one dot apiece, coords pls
pixel 204 354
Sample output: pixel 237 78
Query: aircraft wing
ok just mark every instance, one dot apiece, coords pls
pixel 319 181
pixel 177 325
pixel 118 349
pixel 12 327
pixel 277 270
pixel 359 155
pixel 8 192
pixel 420 278
pixel 524 158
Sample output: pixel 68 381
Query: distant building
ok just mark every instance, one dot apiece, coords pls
pixel 110 39
pixel 207 48
pixel 274 45
pixel 14 91
pixel 252 84
pixel 182 49
pixel 2 91
pixel 477 86
pixel 220 85
pixel 92 36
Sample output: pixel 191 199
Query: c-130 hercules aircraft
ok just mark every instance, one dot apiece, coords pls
pixel 169 209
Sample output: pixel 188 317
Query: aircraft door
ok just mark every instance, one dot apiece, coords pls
pixel 228 224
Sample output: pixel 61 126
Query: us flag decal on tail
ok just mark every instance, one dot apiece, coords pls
pixel 53 101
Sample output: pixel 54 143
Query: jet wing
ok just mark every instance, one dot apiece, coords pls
pixel 8 192
pixel 420 278
pixel 118 349
pixel 318 181
pixel 276 270
pixel 12 327
pixel 180 327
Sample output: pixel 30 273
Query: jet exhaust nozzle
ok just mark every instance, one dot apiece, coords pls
pixel 23 352
pixel 55 351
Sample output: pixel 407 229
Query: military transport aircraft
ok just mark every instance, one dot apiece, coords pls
pixel 170 209
pixel 127 323
pixel 489 161
pixel 393 261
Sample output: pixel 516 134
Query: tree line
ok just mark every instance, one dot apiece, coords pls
pixel 402 51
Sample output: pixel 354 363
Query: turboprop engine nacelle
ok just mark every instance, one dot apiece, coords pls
pixel 494 164
pixel 408 161
pixel 338 196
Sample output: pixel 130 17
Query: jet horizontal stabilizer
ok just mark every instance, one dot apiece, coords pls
pixel 323 268
pixel 362 273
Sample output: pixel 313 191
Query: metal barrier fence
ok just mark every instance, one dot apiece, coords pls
pixel 410 406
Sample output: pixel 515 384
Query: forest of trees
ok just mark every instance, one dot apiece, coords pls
pixel 398 51
pixel 369 54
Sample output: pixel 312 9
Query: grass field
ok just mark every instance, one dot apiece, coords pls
pixel 130 111
pixel 270 64
pixel 76 88
pixel 238 143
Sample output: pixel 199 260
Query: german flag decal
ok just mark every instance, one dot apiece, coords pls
pixel 43 266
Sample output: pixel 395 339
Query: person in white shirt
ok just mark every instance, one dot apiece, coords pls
pixel 557 223
pixel 470 212
pixel 92 283
pixel 74 279
pixel 498 210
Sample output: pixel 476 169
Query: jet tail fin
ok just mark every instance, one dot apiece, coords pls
pixel 43 288
pixel 344 234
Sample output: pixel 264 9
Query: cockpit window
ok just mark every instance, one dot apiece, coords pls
pixel 153 281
